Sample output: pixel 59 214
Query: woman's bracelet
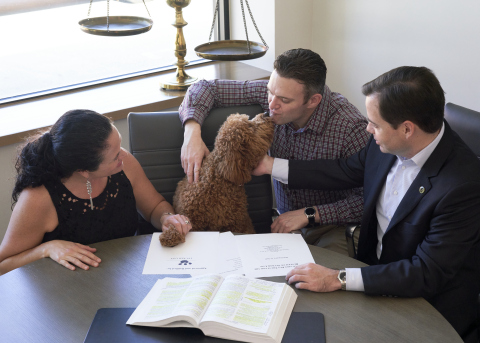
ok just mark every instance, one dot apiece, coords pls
pixel 164 214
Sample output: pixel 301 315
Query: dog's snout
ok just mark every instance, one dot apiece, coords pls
pixel 262 118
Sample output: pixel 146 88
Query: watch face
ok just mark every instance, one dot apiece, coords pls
pixel 310 211
pixel 342 275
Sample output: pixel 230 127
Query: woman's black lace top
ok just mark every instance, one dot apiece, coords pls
pixel 114 214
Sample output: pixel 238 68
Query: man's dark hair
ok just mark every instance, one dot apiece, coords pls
pixel 304 66
pixel 409 93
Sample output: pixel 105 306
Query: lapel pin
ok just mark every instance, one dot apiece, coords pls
pixel 421 189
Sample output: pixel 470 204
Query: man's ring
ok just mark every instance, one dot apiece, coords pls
pixel 187 222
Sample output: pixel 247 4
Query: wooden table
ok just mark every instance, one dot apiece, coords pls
pixel 44 302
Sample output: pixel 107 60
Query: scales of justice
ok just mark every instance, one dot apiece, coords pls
pixel 223 50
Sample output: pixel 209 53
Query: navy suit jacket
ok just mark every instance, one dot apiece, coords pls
pixel 431 247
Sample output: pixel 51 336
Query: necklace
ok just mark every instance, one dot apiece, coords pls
pixel 89 191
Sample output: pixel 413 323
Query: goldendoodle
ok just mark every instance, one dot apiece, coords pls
pixel 217 201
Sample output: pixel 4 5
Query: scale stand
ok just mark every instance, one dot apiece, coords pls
pixel 182 80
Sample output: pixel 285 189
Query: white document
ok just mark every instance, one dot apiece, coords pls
pixel 229 261
pixel 197 256
pixel 272 254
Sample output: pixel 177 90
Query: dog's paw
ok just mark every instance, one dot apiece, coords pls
pixel 171 237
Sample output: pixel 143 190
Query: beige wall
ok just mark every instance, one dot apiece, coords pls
pixel 360 40
pixel 293 27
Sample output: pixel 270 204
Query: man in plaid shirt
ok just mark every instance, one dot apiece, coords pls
pixel 312 122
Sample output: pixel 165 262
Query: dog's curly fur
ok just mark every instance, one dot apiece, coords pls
pixel 171 237
pixel 217 201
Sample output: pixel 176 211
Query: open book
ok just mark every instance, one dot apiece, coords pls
pixel 232 307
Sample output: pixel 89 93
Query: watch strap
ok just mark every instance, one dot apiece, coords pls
pixel 311 217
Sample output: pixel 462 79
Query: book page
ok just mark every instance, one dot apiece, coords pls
pixel 247 304
pixel 273 254
pixel 172 297
pixel 197 256
pixel 229 261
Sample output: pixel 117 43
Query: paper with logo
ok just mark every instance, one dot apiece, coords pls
pixel 272 254
pixel 229 261
pixel 197 256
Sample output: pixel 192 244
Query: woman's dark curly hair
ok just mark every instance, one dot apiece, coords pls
pixel 76 142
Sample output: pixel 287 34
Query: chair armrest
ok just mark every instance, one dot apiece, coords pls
pixel 275 213
pixel 350 237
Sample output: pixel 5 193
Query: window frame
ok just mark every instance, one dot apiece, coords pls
pixel 222 32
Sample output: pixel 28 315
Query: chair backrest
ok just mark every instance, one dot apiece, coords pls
pixel 466 123
pixel 156 139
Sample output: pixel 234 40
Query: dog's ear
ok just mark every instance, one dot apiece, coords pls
pixel 231 146
pixel 232 168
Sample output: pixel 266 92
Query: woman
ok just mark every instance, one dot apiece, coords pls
pixel 75 186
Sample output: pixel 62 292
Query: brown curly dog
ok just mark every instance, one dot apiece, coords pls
pixel 217 201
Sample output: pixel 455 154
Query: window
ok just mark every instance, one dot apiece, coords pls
pixel 44 50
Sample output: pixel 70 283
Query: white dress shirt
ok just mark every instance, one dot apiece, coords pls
pixel 401 176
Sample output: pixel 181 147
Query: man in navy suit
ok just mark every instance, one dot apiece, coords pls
pixel 420 231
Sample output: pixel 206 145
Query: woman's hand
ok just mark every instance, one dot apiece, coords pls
pixel 181 223
pixel 70 254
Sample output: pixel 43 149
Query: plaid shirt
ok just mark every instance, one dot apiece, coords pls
pixel 336 129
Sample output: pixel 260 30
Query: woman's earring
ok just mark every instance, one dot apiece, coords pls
pixel 89 191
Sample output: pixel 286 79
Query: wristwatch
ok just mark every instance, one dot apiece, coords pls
pixel 342 277
pixel 310 213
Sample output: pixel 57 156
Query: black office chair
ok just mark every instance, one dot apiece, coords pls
pixel 466 123
pixel 351 232
pixel 156 139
